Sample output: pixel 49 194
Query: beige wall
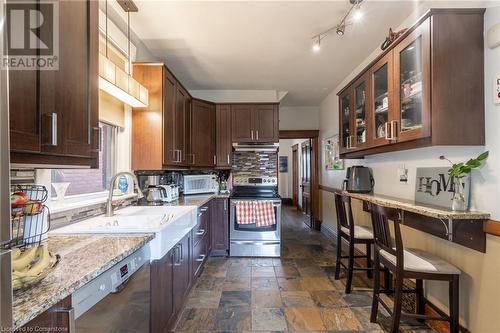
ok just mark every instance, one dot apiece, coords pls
pixel 480 294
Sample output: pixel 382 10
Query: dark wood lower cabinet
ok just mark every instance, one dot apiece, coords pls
pixel 219 227
pixel 162 299
pixel 59 318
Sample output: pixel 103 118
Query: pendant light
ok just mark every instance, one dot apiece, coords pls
pixel 117 82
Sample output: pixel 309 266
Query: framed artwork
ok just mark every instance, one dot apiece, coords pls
pixel 332 153
pixel 283 164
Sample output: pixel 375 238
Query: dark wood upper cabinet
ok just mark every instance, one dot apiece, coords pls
pixel 160 132
pixel 242 123
pixel 265 122
pixel 223 135
pixel 255 123
pixel 415 94
pixel 202 134
pixel 54 114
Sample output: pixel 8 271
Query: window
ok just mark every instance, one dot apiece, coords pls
pixel 84 181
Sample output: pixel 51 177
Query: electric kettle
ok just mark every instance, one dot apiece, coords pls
pixel 359 179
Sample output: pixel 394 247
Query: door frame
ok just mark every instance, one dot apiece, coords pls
pixel 295 175
pixel 314 136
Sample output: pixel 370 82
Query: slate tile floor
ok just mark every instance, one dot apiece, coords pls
pixel 295 293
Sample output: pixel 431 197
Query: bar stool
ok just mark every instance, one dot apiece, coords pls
pixel 353 234
pixel 408 264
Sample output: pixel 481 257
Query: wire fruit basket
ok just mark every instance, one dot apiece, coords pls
pixel 30 217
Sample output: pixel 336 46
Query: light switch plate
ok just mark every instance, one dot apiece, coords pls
pixel 403 174
pixel 496 89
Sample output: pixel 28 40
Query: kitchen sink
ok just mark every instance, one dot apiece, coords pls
pixel 169 224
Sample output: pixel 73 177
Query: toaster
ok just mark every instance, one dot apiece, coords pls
pixel 171 192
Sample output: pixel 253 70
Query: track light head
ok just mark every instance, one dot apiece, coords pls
pixel 340 30
pixel 316 44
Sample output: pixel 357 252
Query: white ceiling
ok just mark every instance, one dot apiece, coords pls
pixel 261 44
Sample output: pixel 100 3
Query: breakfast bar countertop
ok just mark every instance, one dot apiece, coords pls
pixel 418 208
pixel 83 258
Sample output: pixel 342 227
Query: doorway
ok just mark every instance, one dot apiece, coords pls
pixel 295 175
pixel 305 174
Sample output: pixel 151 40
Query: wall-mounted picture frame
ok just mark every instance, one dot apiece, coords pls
pixel 283 164
pixel 332 154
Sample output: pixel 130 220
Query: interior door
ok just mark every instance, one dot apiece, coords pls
pixel 412 93
pixel 382 109
pixel 295 175
pixel 306 180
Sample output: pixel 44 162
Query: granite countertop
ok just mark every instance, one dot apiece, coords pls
pixel 418 208
pixel 83 258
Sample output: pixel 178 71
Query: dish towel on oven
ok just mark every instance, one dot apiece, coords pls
pixel 245 212
pixel 264 213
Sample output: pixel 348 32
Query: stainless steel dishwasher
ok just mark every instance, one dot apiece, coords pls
pixel 118 300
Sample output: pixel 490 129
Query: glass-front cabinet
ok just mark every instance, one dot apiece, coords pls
pixel 412 74
pixel 361 110
pixel 382 102
pixel 345 120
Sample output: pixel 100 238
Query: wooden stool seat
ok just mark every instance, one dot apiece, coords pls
pixel 420 261
pixel 359 232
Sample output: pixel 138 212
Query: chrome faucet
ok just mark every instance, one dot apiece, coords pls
pixel 109 204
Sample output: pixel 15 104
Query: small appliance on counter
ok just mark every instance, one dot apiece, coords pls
pixel 198 184
pixel 359 179
pixel 171 192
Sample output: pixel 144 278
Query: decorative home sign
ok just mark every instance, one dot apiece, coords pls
pixel 332 152
pixel 283 164
pixel 435 187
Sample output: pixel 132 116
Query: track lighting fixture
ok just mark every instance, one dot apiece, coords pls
pixel 340 28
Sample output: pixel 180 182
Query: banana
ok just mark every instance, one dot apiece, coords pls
pixel 16 252
pixel 24 259
pixel 43 262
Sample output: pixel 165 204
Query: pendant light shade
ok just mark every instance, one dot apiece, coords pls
pixel 117 82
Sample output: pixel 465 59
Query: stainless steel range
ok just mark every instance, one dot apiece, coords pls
pixel 255 239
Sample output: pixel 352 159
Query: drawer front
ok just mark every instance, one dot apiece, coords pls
pixel 201 229
pixel 200 254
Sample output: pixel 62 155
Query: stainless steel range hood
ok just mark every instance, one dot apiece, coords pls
pixel 256 147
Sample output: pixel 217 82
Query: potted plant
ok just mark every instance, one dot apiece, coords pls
pixel 460 175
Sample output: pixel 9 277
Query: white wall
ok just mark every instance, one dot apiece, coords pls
pixel 479 281
pixel 299 118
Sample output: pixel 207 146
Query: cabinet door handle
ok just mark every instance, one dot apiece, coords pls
pixel 201 232
pixel 228 160
pixel 71 318
pixel 215 160
pixel 350 142
pixel 257 135
pixel 204 208
pixel 182 253
pixel 53 129
pixel 194 159
pixel 251 133
pixel 225 205
pixel 394 130
pixel 201 258
pixel 386 130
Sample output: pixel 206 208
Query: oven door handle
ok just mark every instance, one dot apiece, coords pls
pixel 256 243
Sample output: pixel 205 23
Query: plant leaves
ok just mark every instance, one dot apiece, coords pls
pixel 483 156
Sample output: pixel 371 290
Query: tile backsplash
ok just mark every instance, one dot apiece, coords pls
pixel 255 164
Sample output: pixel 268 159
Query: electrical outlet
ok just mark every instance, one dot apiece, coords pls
pixel 403 174
pixel 496 90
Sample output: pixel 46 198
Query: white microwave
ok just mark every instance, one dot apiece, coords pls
pixel 197 184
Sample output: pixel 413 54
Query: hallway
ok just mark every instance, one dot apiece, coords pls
pixel 296 292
